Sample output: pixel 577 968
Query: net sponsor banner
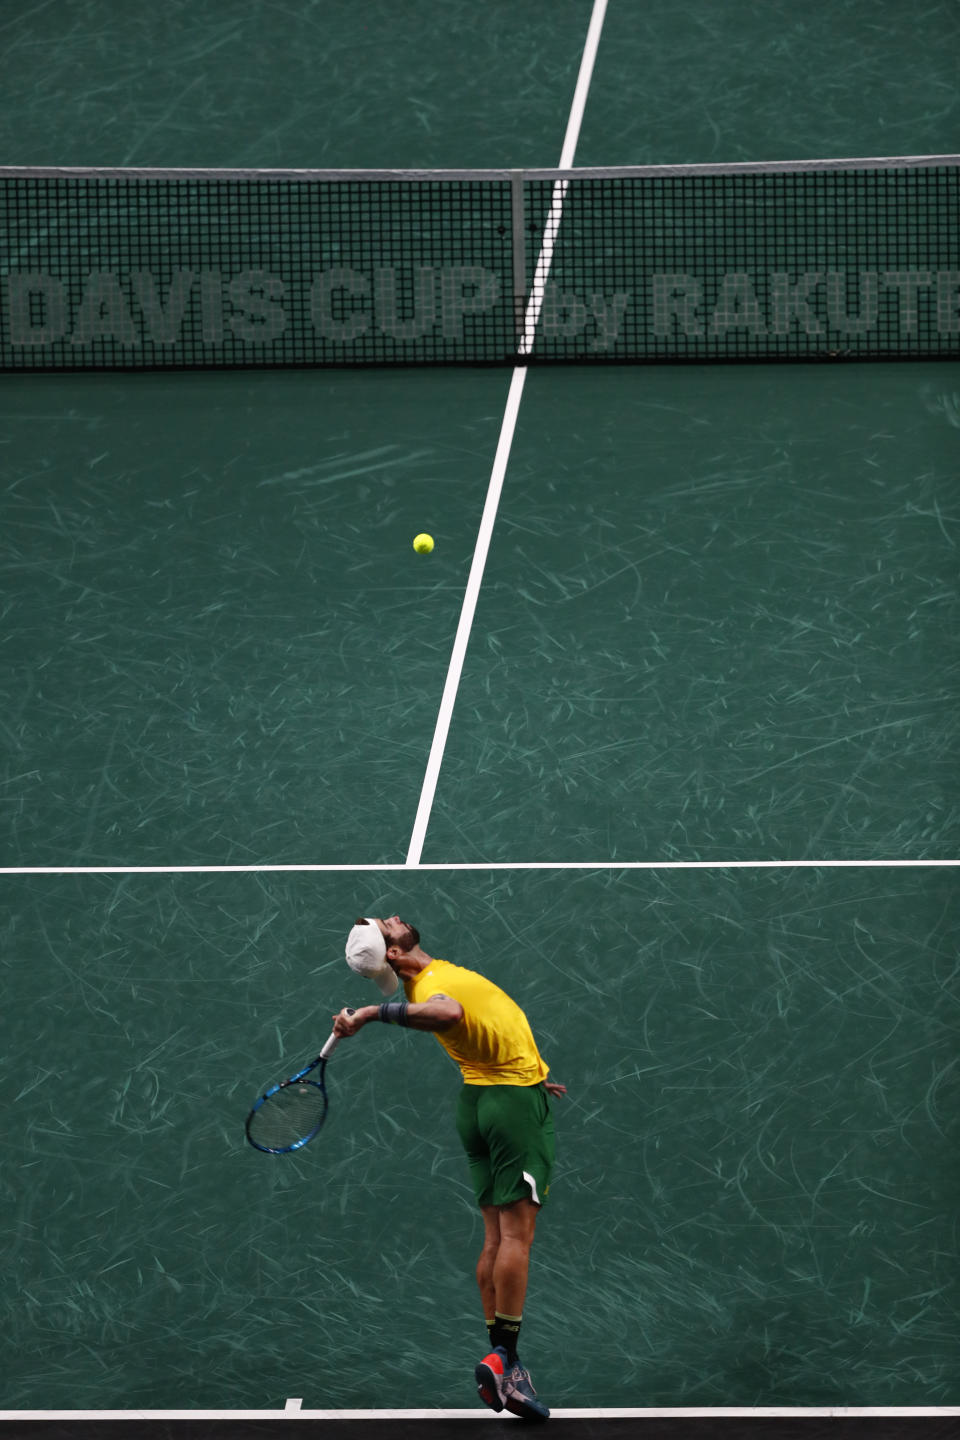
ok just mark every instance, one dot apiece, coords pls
pixel 755 265
pixel 147 270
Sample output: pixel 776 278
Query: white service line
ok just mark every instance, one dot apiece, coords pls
pixel 480 866
pixel 514 396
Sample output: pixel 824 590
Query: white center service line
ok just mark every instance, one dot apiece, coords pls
pixel 514 396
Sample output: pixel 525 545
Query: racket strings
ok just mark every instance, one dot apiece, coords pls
pixel 288 1116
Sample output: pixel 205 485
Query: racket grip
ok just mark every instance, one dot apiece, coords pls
pixel 334 1040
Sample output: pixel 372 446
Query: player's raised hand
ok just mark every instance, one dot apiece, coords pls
pixel 348 1022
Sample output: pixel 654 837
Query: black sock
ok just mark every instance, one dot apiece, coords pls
pixel 504 1332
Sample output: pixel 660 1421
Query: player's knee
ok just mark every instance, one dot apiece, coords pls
pixel 518 1222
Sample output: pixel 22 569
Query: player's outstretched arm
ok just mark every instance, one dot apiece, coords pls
pixel 436 1014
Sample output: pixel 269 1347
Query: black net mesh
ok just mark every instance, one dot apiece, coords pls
pixel 147 273
pixel 752 266
pixel 148 270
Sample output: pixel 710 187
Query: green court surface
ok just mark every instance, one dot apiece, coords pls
pixel 756 1182
pixel 321 84
pixel 327 83
pixel 719 619
pixel 717 625
pixel 765 79
pixel 221 647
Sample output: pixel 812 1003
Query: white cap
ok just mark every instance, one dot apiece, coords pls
pixel 367 955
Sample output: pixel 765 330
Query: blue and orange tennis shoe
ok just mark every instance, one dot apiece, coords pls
pixel 489 1375
pixel 508 1387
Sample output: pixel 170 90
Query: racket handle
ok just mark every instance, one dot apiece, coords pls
pixel 334 1039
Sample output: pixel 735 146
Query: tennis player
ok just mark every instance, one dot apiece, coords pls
pixel 503 1120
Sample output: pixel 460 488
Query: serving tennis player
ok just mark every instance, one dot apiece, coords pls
pixel 503 1120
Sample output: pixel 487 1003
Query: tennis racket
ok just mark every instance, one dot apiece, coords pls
pixel 289 1115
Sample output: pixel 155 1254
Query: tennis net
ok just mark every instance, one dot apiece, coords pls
pixel 168 269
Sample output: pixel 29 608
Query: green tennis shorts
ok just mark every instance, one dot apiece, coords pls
pixel 507 1132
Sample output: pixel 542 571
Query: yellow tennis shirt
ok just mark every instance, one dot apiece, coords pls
pixel 493 1043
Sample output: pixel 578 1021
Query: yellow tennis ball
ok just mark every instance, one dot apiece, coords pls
pixel 423 544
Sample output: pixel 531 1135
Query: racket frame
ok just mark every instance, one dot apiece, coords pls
pixel 300 1078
